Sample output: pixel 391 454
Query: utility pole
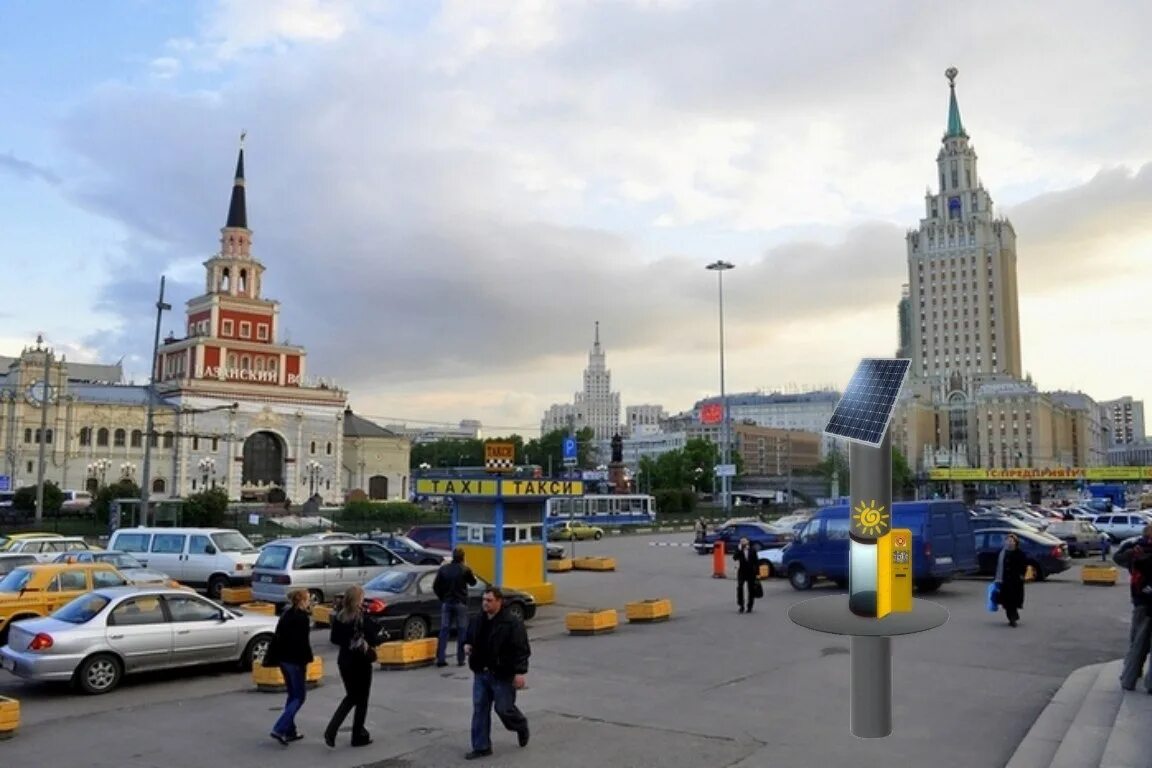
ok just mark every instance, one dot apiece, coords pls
pixel 146 474
pixel 43 439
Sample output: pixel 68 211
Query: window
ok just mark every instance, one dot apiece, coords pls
pixel 199 546
pixel 328 449
pixel 226 327
pixel 137 610
pixel 195 443
pixel 118 438
pixel 262 332
pixel 312 447
pixel 27 435
pixel 309 558
pixel 169 439
pixel 168 543
pixel 372 555
pixel 102 579
pixel 189 608
pixel 158 485
pixel 133 542
pixel 215 444
pixel 341 556
pixel 835 528
pixel 69 581
pixel 137 438
pixel 86 436
pixel 245 329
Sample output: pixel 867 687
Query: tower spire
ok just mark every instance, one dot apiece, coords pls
pixel 955 126
pixel 238 206
pixel 596 341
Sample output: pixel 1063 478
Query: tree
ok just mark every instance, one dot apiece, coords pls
pixel 25 498
pixel 121 489
pixel 206 509
pixel 903 480
pixel 551 446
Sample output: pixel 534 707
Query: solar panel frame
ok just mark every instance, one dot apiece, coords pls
pixel 864 412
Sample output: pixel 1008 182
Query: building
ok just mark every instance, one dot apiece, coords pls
pixel 641 419
pixel 904 324
pixel 1125 417
pixel 467 429
pixel 234 408
pixel 804 411
pixel 597 406
pixel 374 460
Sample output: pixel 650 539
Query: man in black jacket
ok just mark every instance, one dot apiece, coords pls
pixel 1136 556
pixel 498 654
pixel 451 586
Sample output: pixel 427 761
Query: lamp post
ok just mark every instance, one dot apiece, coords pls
pixel 42 439
pixel 127 471
pixel 312 472
pixel 207 466
pixel 150 428
pixel 98 469
pixel 720 267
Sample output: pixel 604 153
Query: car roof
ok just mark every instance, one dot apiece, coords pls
pixel 130 589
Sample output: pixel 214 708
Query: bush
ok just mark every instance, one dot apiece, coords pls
pixel 121 489
pixel 206 509
pixel 384 513
pixel 25 498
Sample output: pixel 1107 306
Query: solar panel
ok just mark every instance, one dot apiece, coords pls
pixel 863 413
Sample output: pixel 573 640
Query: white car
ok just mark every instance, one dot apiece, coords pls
pixel 774 557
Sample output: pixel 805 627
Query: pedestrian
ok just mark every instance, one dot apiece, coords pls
pixel 498 654
pixel 1010 569
pixel 701 529
pixel 1136 556
pixel 357 637
pixel 747 573
pixel 451 586
pixel 292 651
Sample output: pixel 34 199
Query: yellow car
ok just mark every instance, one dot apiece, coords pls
pixel 575 529
pixel 32 591
pixel 9 539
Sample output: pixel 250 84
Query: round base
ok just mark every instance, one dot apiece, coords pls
pixel 831 615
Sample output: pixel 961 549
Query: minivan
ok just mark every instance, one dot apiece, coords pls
pixel 943 544
pixel 205 558
pixel 325 567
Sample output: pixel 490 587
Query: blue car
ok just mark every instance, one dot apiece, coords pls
pixel 761 535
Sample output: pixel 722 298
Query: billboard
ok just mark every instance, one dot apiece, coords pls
pixel 712 413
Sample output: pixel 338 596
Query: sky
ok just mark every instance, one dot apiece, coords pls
pixel 448 195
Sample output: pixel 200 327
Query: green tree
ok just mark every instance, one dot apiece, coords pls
pixel 903 480
pixel 206 509
pixel 550 446
pixel 121 489
pixel 25 498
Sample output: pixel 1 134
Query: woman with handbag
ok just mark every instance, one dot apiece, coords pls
pixel 291 650
pixel 1011 568
pixel 357 637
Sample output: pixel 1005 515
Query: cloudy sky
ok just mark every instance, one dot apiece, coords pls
pixel 448 194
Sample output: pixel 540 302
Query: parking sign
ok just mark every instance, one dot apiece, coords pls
pixel 5 483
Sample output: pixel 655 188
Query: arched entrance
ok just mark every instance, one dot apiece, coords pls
pixel 378 487
pixel 263 460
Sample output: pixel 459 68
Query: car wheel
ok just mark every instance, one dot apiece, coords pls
pixel 516 610
pixel 1041 574
pixel 598 535
pixel 799 578
pixel 927 586
pixel 99 674
pixel 840 583
pixel 254 653
pixel 315 598
pixel 415 628
pixel 216 586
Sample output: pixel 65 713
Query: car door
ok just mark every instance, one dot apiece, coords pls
pixel 199 634
pixel 139 631
pixel 64 586
pixel 167 555
pixel 989 545
pixel 341 568
pixel 832 553
pixel 374 560
pixel 426 601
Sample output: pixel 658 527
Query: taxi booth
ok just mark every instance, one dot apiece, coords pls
pixel 499 523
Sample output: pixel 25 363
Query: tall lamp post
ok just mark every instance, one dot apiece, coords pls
pixel 99 469
pixel 720 267
pixel 150 429
pixel 127 471
pixel 312 471
pixel 207 466
pixel 42 439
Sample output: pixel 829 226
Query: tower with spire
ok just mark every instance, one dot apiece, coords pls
pixel 597 406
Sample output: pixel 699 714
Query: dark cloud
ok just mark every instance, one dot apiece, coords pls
pixel 13 165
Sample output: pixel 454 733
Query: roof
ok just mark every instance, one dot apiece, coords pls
pixel 78 372
pixel 357 426
pixel 955 126
pixel 238 206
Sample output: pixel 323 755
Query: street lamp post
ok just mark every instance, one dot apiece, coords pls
pixel 312 471
pixel 720 267
pixel 99 469
pixel 207 466
pixel 42 439
pixel 127 471
pixel 150 428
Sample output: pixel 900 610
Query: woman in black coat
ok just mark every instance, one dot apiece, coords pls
pixel 747 573
pixel 1010 570
pixel 357 637
pixel 292 650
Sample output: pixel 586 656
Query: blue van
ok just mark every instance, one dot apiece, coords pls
pixel 943 544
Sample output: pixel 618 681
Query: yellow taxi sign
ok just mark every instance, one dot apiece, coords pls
pixel 463 486
pixel 542 487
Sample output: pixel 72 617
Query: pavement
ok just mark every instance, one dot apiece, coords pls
pixel 710 688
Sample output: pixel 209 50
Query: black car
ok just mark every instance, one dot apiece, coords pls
pixel 411 551
pixel 762 535
pixel 1046 554
pixel 402 602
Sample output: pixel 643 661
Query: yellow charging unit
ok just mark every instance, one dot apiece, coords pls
pixel 894 572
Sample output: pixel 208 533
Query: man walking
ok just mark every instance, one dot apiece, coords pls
pixel 1136 556
pixel 498 654
pixel 451 586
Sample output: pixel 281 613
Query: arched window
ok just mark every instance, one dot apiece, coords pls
pixel 225 280
pixel 259 363
pixel 102 437
pixel 243 284
pixel 136 439
pixel 86 436
pixel 231 360
pixel 245 363
pixel 272 364
pixel 158 485
pixel 118 438
pixel 169 438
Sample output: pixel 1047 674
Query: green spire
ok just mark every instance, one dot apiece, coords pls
pixel 955 126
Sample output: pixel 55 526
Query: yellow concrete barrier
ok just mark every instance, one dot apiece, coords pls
pixel 765 571
pixel 543 594
pixel 9 717
pixel 594 563
pixel 268 609
pixel 592 622
pixel 649 611
pixel 560 566
pixel 322 615
pixel 271 680
pixel 1030 574
pixel 406 654
pixel 235 595
pixel 1099 575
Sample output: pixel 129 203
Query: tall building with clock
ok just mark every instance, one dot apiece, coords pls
pixel 235 406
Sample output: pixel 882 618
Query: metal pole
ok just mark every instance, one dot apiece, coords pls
pixel 726 483
pixel 871 694
pixel 43 437
pixel 146 472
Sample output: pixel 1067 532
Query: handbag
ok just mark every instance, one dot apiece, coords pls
pixel 271 653
pixel 757 589
pixel 993 596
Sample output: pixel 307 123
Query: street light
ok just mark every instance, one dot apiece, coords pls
pixel 98 469
pixel 127 470
pixel 312 472
pixel 207 467
pixel 720 267
pixel 150 419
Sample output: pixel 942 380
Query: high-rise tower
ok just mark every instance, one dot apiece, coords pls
pixel 597 406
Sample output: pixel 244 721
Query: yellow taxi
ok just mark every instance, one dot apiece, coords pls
pixel 31 591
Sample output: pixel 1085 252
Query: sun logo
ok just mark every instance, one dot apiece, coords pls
pixel 870 520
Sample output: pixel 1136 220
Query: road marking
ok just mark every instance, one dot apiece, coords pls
pixel 671 543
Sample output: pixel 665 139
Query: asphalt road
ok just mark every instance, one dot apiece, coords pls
pixel 710 688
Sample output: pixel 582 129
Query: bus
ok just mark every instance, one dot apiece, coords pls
pixel 609 509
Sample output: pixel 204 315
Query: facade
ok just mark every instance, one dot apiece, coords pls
pixel 597 406
pixel 904 324
pixel 806 412
pixel 375 460
pixel 641 419
pixel 1125 417
pixel 770 452
pixel 234 407
pixel 467 429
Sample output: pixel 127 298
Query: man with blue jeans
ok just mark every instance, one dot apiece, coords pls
pixel 498 654
pixel 451 586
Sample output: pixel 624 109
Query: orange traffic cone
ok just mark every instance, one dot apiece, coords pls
pixel 719 570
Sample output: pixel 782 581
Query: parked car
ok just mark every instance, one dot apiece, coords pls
pixel 1082 537
pixel 7 541
pixel 129 567
pixel 411 551
pixel 555 551
pixel 993 520
pixel 773 557
pixel 942 544
pixel 1046 554
pixel 432 536
pixel 761 535
pixel 99 637
pixel 1121 526
pixel 38 590
pixel 44 548
pixel 9 561
pixel 574 529
pixel 404 605
pixel 204 558
pixel 324 567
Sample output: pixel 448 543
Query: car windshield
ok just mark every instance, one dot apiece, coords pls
pixel 401 542
pixel 16 580
pixel 389 581
pixel 231 541
pixel 273 557
pixel 82 609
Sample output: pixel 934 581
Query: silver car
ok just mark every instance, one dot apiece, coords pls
pixel 103 635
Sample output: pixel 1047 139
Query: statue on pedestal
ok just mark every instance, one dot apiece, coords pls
pixel 617 449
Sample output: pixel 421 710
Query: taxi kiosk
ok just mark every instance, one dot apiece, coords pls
pixel 499 523
pixel 879 604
